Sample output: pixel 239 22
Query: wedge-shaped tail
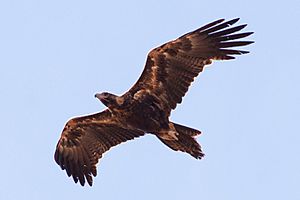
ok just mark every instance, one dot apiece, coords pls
pixel 185 141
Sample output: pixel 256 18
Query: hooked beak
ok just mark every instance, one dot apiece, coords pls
pixel 99 96
pixel 102 98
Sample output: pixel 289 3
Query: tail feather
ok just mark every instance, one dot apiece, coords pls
pixel 185 141
pixel 186 130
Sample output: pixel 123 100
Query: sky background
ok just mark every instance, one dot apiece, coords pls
pixel 55 55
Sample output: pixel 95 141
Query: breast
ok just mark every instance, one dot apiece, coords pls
pixel 145 115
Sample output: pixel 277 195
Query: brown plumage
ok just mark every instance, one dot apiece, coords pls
pixel 146 107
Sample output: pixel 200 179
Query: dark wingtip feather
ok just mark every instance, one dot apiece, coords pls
pixel 233 21
pixel 198 155
pixel 228 57
pixel 248 42
pixel 90 180
pixel 240 27
pixel 233 52
pixel 226 32
pixel 234 44
pixel 250 33
pixel 220 26
pixel 210 25
pixel 75 179
pixel 233 37
pixel 94 171
pixel 81 179
pixel 244 52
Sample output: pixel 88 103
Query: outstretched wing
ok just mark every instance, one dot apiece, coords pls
pixel 172 67
pixel 84 140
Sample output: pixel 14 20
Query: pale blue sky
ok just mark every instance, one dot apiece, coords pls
pixel 55 55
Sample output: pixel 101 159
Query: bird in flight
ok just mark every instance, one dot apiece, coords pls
pixel 146 107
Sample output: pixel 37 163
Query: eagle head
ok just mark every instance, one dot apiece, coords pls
pixel 110 100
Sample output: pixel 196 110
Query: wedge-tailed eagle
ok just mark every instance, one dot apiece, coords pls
pixel 146 107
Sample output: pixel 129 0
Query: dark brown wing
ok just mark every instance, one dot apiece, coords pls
pixel 172 67
pixel 84 140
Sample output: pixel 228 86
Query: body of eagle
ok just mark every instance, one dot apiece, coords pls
pixel 146 107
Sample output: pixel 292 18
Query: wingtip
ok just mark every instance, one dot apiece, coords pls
pixel 243 52
pixel 249 42
pixel 209 25
pixel 81 182
pixel 199 155
pixel 90 183
pixel 243 26
pixel 250 33
pixel 227 57
pixel 233 21
pixel 219 20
